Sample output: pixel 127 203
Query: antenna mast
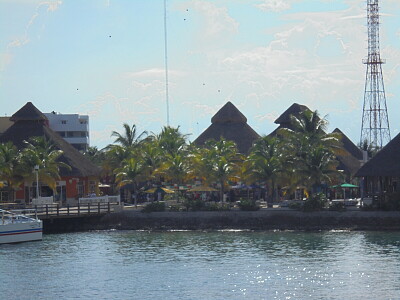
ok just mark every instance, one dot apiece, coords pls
pixel 166 59
pixel 375 123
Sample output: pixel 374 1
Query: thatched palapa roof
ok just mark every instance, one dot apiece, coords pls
pixel 230 124
pixel 294 110
pixel 350 159
pixel 284 120
pixel 385 163
pixel 349 146
pixel 28 112
pixel 30 122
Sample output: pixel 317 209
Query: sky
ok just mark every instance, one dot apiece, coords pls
pixel 106 59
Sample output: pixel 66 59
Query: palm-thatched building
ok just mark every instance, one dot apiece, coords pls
pixel 82 178
pixel 284 120
pixel 350 157
pixel 382 172
pixel 230 124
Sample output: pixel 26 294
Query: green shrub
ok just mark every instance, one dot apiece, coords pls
pixel 153 207
pixel 194 204
pixel 390 201
pixel 337 206
pixel 217 207
pixel 296 205
pixel 174 208
pixel 315 202
pixel 248 205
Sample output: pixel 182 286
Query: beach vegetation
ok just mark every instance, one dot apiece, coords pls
pixel 154 207
pixel 248 205
pixel 42 153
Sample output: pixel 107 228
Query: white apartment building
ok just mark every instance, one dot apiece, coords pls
pixel 74 128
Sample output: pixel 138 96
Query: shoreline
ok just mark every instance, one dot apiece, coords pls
pixel 262 220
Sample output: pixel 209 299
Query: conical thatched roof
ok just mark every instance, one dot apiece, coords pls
pixel 28 112
pixel 230 124
pixel 349 146
pixel 228 114
pixel 284 120
pixel 295 109
pixel 385 163
pixel 26 125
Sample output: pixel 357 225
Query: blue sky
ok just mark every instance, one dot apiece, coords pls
pixel 105 58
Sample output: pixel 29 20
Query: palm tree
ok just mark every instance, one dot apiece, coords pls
pixel 95 155
pixel 129 139
pixel 10 167
pixel 265 162
pixel 125 144
pixel 310 152
pixel 176 168
pixel 131 171
pixel 171 140
pixel 320 166
pixel 173 147
pixel 41 152
pixel 220 161
pixel 151 155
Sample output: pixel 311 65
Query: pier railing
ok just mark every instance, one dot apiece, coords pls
pixel 55 210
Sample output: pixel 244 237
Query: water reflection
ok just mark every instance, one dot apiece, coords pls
pixel 204 265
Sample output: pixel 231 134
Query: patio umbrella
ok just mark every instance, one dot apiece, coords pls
pixel 348 185
pixel 160 189
pixel 202 189
pixel 344 186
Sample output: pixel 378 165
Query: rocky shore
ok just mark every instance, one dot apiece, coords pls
pixel 265 219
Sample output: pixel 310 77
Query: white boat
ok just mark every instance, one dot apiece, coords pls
pixel 16 227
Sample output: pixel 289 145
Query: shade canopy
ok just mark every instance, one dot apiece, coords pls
pixel 159 190
pixel 202 189
pixel 345 185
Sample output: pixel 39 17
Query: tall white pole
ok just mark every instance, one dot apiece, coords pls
pixel 166 59
pixel 37 181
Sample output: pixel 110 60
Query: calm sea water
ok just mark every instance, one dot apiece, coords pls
pixel 203 265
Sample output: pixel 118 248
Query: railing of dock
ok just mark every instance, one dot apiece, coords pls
pixel 55 210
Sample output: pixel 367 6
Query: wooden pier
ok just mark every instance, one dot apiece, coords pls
pixel 52 211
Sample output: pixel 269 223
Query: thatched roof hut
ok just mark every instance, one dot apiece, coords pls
pixel 349 146
pixel 350 159
pixel 386 163
pixel 230 124
pixel 30 122
pixel 294 110
pixel 284 120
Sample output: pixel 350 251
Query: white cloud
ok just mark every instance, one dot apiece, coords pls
pixel 5 59
pixel 271 117
pixel 218 22
pixel 51 5
pixel 25 39
pixel 274 5
pixel 297 62
pixel 152 73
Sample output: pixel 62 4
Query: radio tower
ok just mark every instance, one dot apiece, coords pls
pixel 375 123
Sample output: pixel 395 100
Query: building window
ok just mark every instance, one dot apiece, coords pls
pixel 80 188
pixel 83 134
pixel 61 133
pixel 92 186
pixel 63 121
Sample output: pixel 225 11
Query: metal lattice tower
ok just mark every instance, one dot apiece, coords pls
pixel 375 123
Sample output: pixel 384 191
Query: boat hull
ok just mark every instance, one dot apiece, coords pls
pixel 21 232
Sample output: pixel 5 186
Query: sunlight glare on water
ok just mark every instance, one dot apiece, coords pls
pixel 203 265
